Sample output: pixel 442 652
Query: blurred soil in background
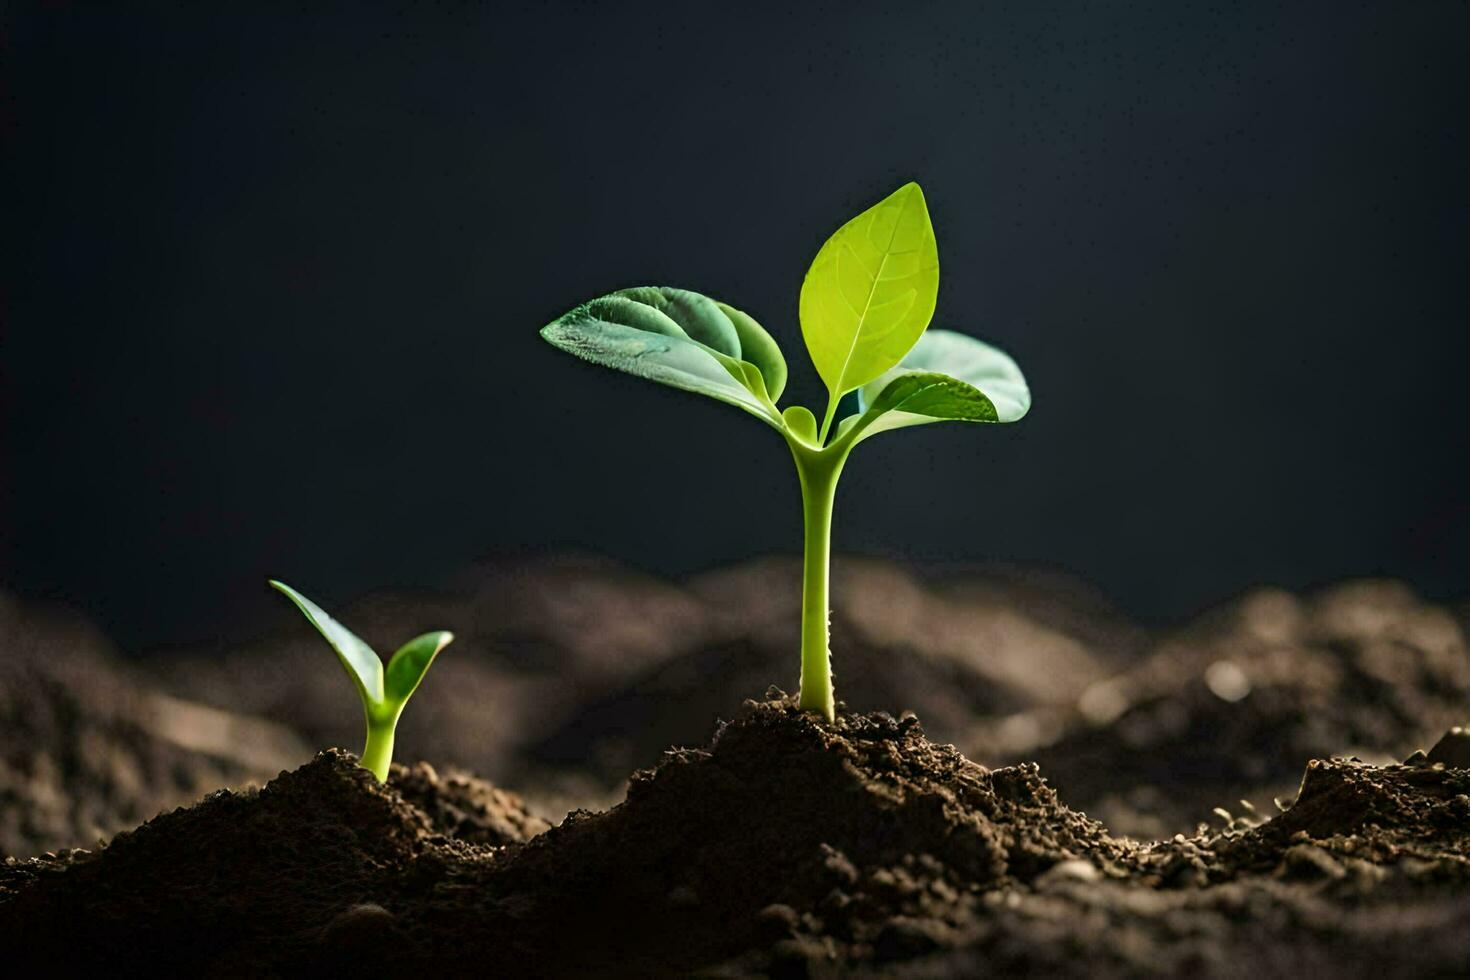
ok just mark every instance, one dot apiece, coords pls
pixel 570 672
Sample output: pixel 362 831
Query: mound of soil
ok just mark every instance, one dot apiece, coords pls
pixel 669 705
pixel 968 647
pixel 785 846
pixel 288 876
pixel 461 805
pixel 88 747
pixel 831 837
pixel 1227 708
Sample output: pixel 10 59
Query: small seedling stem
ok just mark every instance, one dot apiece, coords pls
pixel 377 753
pixel 818 469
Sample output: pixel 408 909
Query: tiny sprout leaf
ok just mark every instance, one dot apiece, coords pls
pixel 408 666
pixel 678 338
pixel 947 376
pixel 362 664
pixel 871 291
pixel 801 423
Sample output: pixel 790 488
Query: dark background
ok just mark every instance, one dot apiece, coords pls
pixel 273 281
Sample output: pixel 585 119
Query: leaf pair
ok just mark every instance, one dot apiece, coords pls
pixel 384 693
pixel 865 305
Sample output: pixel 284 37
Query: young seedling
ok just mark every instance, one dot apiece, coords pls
pixel 383 693
pixel 865 306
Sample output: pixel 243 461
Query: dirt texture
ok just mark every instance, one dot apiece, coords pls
pixel 570 672
pixel 88 747
pixel 785 846
pixel 1228 707
pixel 287 878
pixel 461 805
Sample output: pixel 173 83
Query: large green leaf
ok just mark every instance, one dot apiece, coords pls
pixel 871 291
pixel 678 338
pixel 947 376
pixel 408 666
pixel 362 664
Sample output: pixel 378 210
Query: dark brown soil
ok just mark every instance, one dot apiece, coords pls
pixel 954 650
pixel 614 734
pixel 459 804
pixel 88 747
pixel 281 878
pixel 786 846
pixel 1229 707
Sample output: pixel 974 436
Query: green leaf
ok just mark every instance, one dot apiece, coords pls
pixel 947 376
pixel 871 291
pixel 408 666
pixel 698 317
pixel 362 664
pixel 677 338
pixel 801 423
pixel 759 348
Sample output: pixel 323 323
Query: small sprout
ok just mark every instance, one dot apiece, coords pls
pixel 383 693
pixel 865 307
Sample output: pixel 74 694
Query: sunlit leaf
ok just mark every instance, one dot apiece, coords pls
pixel 871 291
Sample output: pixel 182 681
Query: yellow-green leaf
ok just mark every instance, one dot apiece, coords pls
pixel 871 291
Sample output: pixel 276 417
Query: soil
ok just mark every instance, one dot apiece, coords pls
pixel 88 747
pixel 1151 734
pixel 1227 708
pixel 785 846
pixel 459 804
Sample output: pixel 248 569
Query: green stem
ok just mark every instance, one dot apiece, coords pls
pixel 832 401
pixel 377 754
pixel 818 470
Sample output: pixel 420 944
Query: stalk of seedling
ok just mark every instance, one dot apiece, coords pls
pixel 865 308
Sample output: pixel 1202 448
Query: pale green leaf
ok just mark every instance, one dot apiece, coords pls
pixel 408 666
pixel 362 664
pixel 947 376
pixel 871 291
